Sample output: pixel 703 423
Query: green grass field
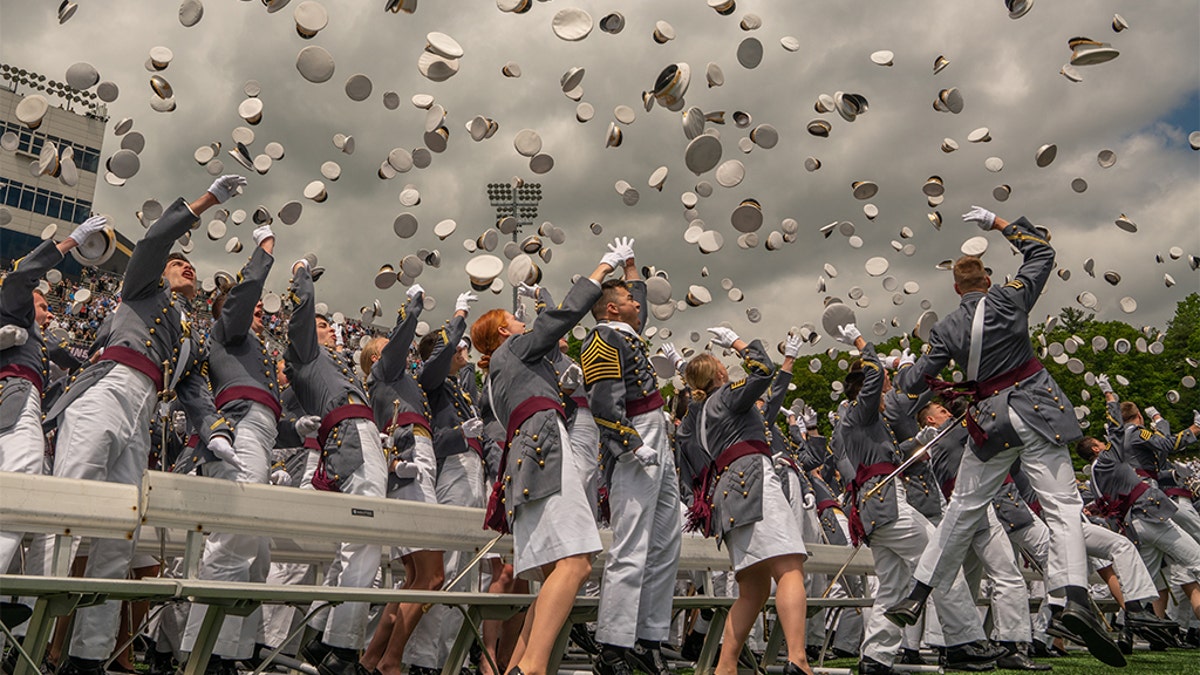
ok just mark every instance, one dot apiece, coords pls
pixel 1173 662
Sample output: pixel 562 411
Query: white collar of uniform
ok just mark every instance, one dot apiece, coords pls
pixel 622 326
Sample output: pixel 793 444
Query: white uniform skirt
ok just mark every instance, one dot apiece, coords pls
pixel 555 527
pixel 776 534
pixel 423 488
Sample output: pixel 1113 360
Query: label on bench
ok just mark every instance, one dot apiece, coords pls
pixel 366 513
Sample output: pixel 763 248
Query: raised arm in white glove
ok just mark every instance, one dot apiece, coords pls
pixel 226 186
pixel 810 417
pixel 223 449
pixel 810 501
pixel 463 303
pixel 791 346
pixel 261 234
pixel 571 378
pixel 413 291
pixel 87 228
pixel 981 217
pixel 723 337
pixel 1151 413
pixel 906 358
pixel 1104 384
pixel 1196 418
pixel 926 434
pixel 833 419
pixel 799 423
pixel 405 469
pixel 848 334
pixel 528 290
pixel 281 477
pixel 473 427
pixel 12 336
pixel 673 355
pixel 308 425
pixel 618 252
pixel 645 455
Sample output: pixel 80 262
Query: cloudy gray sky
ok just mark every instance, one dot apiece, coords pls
pixel 1141 105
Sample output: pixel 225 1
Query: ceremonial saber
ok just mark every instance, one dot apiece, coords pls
pixel 467 569
pixel 914 458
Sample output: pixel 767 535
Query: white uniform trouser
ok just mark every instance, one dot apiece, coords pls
pixel 895 547
pixel 992 558
pixel 232 557
pixel 1159 539
pixel 22 450
pixel 105 435
pixel 1100 542
pixel 459 483
pixel 585 446
pixel 1186 517
pixel 1049 470
pixel 639 571
pixel 357 564
pixel 280 620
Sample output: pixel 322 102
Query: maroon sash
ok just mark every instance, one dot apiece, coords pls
pixel 136 360
pixel 496 517
pixel 699 517
pixel 22 372
pixel 863 474
pixel 644 405
pixel 978 391
pixel 255 394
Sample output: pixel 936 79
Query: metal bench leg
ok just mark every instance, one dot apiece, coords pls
pixel 25 663
pixel 206 639
pixel 708 652
pixel 41 624
pixel 468 633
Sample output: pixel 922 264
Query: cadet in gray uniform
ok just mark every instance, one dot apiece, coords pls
pixel 24 366
pixel 1018 411
pixel 352 462
pixel 539 495
pixel 738 497
pixel 243 377
pixel 638 466
pixel 151 355
pixel 895 531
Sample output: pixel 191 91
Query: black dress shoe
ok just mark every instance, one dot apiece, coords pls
pixel 692 643
pixel 611 661
pixel 1018 659
pixel 584 639
pixel 910 657
pixel 980 651
pixel 341 661
pixel 314 651
pixel 13 614
pixel 906 612
pixel 790 668
pixel 1056 628
pixel 649 660
pixel 869 666
pixel 516 670
pixel 1144 619
pixel 161 663
pixel 78 666
pixel 1081 621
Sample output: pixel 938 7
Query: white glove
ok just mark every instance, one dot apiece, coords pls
pixel 810 501
pixel 832 418
pixel 405 469
pixel 521 312
pixel 223 449
pixel 414 290
pixel 337 335
pixel 809 417
pixel 281 477
pixel 781 461
pixel 87 228
pixel 848 334
pixel 308 425
pixel 226 186
pixel 179 422
pixel 463 303
pixel 791 346
pixel 981 217
pixel 1104 384
pixel 262 233
pixel 674 357
pixel 723 337
pixel 1151 413
pixel 528 290
pixel 645 455
pixel 1196 418
pixel 906 358
pixel 473 427
pixel 926 434
pixel 618 252
pixel 12 336
pixel 801 427
pixel 571 378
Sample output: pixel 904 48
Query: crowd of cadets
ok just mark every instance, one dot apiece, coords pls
pixel 555 449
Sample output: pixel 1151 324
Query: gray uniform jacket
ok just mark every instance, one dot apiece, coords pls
pixel 396 399
pixel 449 405
pixel 152 321
pixel 323 381
pixel 868 442
pixel 239 365
pixel 1123 494
pixel 899 411
pixel 945 458
pixel 1149 450
pixel 1038 399
pixel 617 371
pixel 520 371
pixel 728 417
pixel 16 309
